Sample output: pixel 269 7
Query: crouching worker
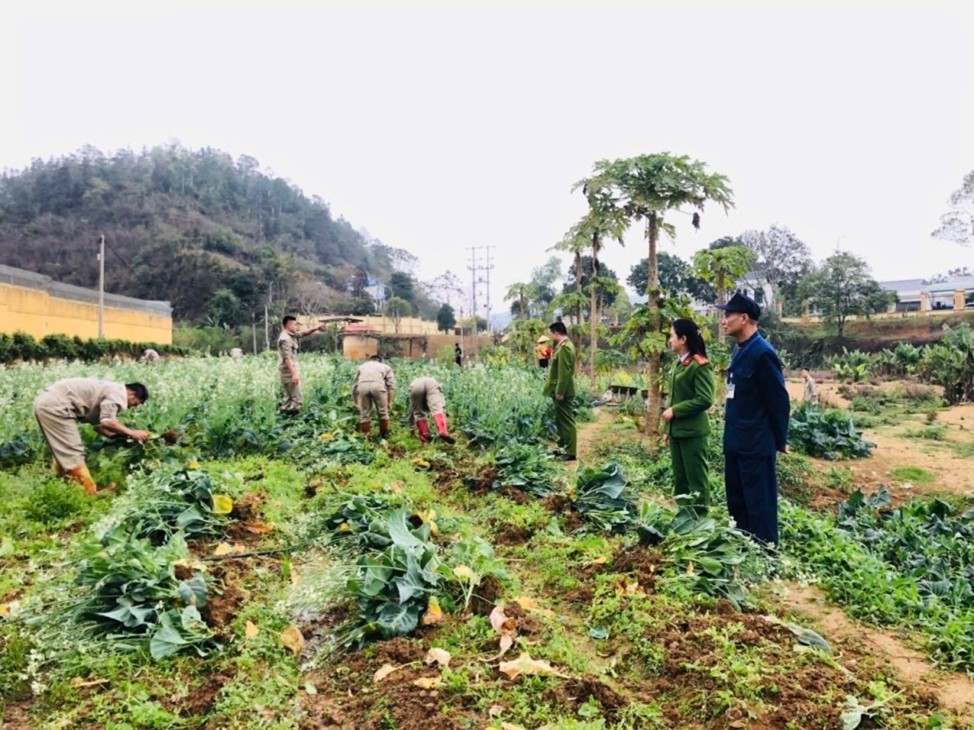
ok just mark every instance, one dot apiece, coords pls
pixel 98 402
pixel 426 396
pixel 375 385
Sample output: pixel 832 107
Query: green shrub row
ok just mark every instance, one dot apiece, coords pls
pixel 21 346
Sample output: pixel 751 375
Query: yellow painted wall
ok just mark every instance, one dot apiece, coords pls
pixel 39 314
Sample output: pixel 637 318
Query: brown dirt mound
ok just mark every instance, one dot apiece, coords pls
pixel 199 701
pixel 512 535
pixel 644 564
pixel 171 437
pixel 249 506
pixel 486 595
pixel 224 601
pixel 576 692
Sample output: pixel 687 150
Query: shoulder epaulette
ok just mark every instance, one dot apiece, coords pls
pixel 701 360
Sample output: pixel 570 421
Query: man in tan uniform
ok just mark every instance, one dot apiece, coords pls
pixel 426 396
pixel 287 363
pixel 98 402
pixel 374 385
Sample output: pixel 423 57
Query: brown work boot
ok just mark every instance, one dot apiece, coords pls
pixel 384 424
pixel 366 428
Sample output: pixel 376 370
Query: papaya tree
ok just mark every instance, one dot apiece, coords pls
pixel 646 188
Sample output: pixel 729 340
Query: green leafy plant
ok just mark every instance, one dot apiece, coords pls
pixel 827 434
pixel 528 467
pixel 602 497
pixel 130 596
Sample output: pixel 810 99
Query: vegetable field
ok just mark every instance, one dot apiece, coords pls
pixel 258 571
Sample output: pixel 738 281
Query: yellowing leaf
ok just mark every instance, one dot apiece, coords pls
pixel 531 606
pixel 463 572
pixel 434 615
pixel 421 463
pixel 428 682
pixel 5 609
pixel 344 527
pixel 506 642
pixel 292 638
pixel 438 656
pixel 384 671
pixel 601 560
pixel 251 631
pixel 690 569
pixel 79 682
pixel 524 664
pixel 193 465
pixel 227 549
pixel 257 527
pixel 222 504
pixel 327 436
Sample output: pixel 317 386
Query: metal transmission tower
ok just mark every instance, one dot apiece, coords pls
pixel 480 267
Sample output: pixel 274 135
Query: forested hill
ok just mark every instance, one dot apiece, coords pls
pixel 212 235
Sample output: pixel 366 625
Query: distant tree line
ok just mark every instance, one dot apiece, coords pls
pixel 219 238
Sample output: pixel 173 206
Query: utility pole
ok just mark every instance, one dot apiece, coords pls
pixel 267 331
pixel 253 329
pixel 101 287
pixel 480 277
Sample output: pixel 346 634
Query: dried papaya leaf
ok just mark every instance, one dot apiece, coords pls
pixel 293 639
pixel 524 664
pixel 532 606
pixel 428 682
pixel 440 657
pixel 384 671
pixel 225 548
pixel 257 527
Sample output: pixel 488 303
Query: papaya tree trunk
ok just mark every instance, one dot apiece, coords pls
pixel 653 410
pixel 593 311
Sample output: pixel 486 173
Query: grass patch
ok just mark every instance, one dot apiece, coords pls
pixel 914 474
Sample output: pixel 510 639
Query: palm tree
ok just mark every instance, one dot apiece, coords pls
pixel 647 187
pixel 604 220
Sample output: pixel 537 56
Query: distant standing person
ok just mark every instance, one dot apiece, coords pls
pixel 458 355
pixel 375 385
pixel 543 352
pixel 62 405
pixel 686 422
pixel 288 344
pixel 561 387
pixel 426 396
pixel 810 394
pixel 756 427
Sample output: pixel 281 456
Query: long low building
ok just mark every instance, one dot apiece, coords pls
pixel 38 305
pixel 922 295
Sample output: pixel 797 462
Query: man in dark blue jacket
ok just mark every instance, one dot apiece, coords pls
pixel 756 427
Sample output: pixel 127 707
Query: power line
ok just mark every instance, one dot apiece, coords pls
pixel 480 277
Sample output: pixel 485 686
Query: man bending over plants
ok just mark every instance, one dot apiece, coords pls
pixel 374 385
pixel 98 402
pixel 426 396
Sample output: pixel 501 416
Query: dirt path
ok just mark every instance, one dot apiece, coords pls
pixel 590 435
pixel 852 641
pixel 901 447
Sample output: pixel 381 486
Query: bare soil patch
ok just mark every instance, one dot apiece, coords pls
pixel 855 642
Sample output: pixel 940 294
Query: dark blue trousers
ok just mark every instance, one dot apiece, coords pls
pixel 752 494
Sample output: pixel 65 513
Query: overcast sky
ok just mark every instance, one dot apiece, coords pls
pixel 440 126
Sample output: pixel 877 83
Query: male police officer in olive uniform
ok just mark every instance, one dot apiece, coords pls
pixel 561 387
pixel 756 429
pixel 287 363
